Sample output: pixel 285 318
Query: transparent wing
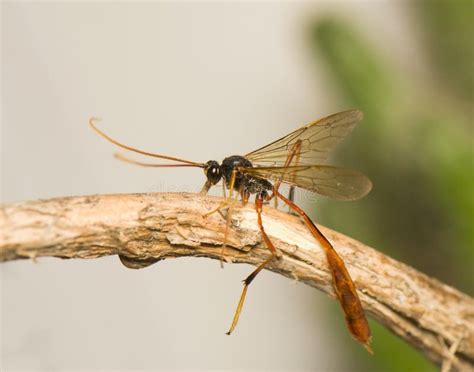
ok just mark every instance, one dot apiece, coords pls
pixel 317 139
pixel 333 182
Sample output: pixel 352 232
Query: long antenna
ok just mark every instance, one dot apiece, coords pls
pixel 102 134
pixel 152 165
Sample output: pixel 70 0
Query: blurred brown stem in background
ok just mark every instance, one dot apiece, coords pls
pixel 145 228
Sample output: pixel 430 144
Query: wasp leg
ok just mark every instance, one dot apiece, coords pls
pixel 229 214
pixel 342 282
pixel 226 204
pixel 206 188
pixel 291 194
pixel 293 156
pixel 245 195
pixel 222 205
pixel 251 277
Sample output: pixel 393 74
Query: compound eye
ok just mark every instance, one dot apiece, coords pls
pixel 215 173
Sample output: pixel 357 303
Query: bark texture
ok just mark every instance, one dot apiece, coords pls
pixel 142 229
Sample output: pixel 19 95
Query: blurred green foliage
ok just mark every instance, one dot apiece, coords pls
pixel 448 31
pixel 417 147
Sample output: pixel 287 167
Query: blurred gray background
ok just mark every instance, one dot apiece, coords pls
pixel 196 80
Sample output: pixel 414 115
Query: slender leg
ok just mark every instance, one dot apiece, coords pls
pixel 229 204
pixel 223 189
pixel 244 195
pixel 206 187
pixel 294 154
pixel 222 205
pixel 251 277
pixel 227 199
pixel 291 195
pixel 343 284
pixel 229 214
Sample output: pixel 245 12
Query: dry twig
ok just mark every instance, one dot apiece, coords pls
pixel 145 228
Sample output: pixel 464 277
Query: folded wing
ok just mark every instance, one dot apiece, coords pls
pixel 332 182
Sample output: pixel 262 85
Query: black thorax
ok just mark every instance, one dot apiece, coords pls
pixel 243 182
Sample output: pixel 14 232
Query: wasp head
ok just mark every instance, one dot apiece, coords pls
pixel 213 171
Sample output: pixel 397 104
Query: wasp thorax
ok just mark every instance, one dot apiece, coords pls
pixel 213 171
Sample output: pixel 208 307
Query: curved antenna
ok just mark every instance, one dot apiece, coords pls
pixel 151 165
pixel 129 148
